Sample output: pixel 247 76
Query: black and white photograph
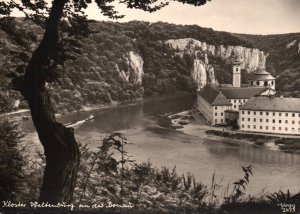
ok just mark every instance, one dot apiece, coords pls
pixel 150 106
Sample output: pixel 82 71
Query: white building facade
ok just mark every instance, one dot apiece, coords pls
pixel 270 115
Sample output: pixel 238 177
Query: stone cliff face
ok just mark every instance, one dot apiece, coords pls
pixel 203 72
pixel 134 73
pixel 252 58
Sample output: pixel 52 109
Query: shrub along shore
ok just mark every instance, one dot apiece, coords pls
pixel 286 144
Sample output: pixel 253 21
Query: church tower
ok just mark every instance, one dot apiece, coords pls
pixel 236 74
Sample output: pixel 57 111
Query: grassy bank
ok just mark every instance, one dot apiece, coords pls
pixel 290 145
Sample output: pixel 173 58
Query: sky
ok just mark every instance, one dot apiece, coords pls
pixel 237 16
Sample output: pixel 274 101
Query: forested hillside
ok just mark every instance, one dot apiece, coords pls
pixel 283 59
pixel 116 62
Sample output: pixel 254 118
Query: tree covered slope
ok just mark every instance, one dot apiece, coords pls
pixel 283 59
pixel 116 62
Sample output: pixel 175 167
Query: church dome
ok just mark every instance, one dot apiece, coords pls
pixel 261 74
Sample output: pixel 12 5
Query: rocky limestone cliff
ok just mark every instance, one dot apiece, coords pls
pixel 134 73
pixel 252 58
pixel 203 73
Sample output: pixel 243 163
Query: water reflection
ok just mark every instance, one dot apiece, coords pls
pixel 138 115
pixel 252 154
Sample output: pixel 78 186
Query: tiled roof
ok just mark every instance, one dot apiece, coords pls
pixel 241 93
pixel 214 97
pixel 221 100
pixel 261 74
pixel 267 103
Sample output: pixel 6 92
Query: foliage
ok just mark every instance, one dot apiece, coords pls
pixel 11 162
pixel 240 186
pixel 290 145
pixel 116 178
pixel 93 65
pixel 283 59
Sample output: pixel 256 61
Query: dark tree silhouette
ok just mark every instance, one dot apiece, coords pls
pixel 60 147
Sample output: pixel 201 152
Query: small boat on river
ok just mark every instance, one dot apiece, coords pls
pixel 77 122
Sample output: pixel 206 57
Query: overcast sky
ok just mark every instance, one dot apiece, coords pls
pixel 241 16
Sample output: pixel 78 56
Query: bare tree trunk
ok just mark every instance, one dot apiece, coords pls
pixel 60 147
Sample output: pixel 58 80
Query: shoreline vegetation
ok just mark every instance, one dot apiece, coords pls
pixel 284 144
pixel 110 175
pixel 188 120
pixel 93 107
pixel 182 121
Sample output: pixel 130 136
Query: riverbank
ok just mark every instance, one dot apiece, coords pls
pixel 192 122
pixel 201 156
pixel 20 114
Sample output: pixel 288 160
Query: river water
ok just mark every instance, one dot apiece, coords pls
pixel 199 155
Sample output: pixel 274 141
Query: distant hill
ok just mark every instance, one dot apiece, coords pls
pixel 283 58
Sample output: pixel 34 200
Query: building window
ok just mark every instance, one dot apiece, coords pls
pixel 216 120
pixel 254 119
pixel 293 115
pixel 267 113
pixel 279 121
pixel 293 121
pixel 216 108
pixel 273 127
pixel 286 121
pixel 221 113
pixel 221 120
pixel 260 127
pixel 286 114
pixel 248 119
pixel 279 128
pixel 248 126
pixel 299 115
pixel 267 127
pixel 254 126
pixel 248 112
pixel 260 120
pixel 267 120
pixel 216 114
pixel 279 114
pixel 234 106
pixel 273 121
pixel 273 113
pixel 286 129
pixel 293 129
pixel 265 83
pixel 242 119
pixel 257 82
pixel 242 126
pixel 234 101
pixel 242 112
pixel 261 113
pixel 254 113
